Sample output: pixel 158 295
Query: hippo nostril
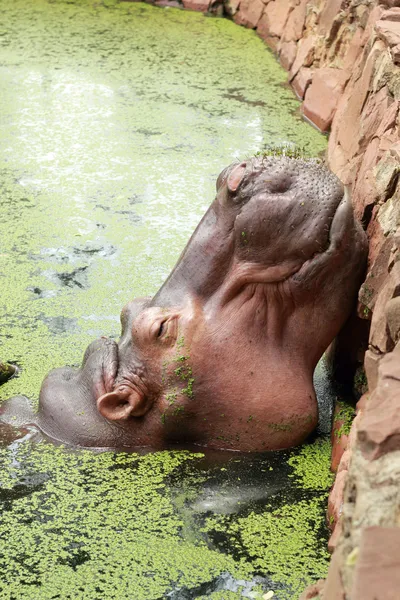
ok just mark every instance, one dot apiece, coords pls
pixel 279 183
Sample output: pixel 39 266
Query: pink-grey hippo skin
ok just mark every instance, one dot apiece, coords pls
pixel 224 354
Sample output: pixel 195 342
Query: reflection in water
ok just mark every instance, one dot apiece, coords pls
pixel 114 125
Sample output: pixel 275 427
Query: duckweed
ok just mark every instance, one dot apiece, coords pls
pixel 102 524
pixel 97 525
pixel 283 542
pixel 116 119
pixel 311 465
pixel 346 413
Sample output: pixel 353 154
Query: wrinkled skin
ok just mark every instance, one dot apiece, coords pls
pixel 223 355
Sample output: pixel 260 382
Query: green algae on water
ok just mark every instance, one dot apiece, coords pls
pixel 345 413
pixel 311 465
pixel 284 542
pixel 87 524
pixel 97 526
pixel 287 542
pixel 116 119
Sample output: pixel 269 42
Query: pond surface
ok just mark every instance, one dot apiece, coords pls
pixel 114 124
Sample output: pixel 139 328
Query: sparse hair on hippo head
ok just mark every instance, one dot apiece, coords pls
pixel 223 355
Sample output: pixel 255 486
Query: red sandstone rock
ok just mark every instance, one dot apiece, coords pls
pixel 388 140
pixel 304 56
pixel 378 336
pixel 345 129
pixel 390 3
pixel 335 536
pixel 313 591
pixel 395 150
pixel 386 175
pixel 395 52
pixel 379 250
pixel 362 403
pixel 379 254
pixel 377 571
pixel 301 82
pixel 328 16
pixel 354 50
pixel 340 164
pixel 388 132
pixel 364 191
pixel 392 310
pixel 374 16
pixel 295 23
pixel 339 445
pixel 272 42
pixel 389 31
pixel 375 113
pixel 263 28
pixel 276 14
pixel 344 461
pixel 249 13
pixel 263 32
pixel 335 500
pixel 371 364
pixel 231 7
pixel 354 426
pixel 377 243
pixel 198 5
pixel 287 54
pixel 333 589
pixel 323 95
pixel 379 428
pixel 393 14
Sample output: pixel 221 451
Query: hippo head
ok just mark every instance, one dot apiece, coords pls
pixel 223 355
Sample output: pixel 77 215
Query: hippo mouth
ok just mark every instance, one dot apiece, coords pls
pixel 337 233
pixel 295 269
pixel 101 360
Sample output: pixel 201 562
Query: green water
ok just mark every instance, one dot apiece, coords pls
pixel 114 123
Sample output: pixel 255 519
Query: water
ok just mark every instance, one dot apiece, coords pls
pixel 115 122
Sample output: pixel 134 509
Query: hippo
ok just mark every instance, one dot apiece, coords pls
pixel 223 355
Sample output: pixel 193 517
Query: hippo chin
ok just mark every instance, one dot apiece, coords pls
pixel 224 354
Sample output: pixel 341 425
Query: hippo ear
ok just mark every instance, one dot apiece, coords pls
pixel 235 177
pixel 120 404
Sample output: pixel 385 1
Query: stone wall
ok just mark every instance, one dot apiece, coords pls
pixel 343 61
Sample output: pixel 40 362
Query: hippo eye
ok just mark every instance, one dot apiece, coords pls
pixel 161 329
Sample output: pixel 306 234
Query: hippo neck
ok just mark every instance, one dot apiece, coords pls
pixel 203 264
